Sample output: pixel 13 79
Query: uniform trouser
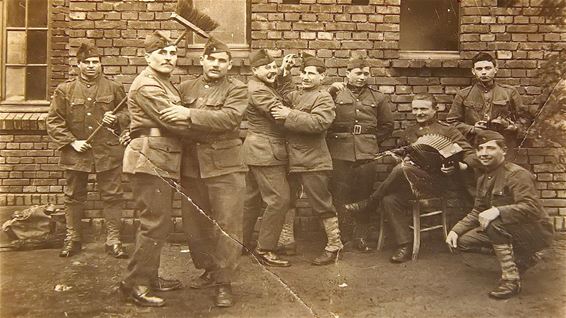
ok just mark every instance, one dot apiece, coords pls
pixel 268 184
pixel 352 182
pixel 109 184
pixel 214 239
pixel 316 186
pixel 526 238
pixel 154 198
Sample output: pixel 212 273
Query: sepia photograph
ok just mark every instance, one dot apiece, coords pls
pixel 282 158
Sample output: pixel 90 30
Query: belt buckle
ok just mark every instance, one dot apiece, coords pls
pixel 357 129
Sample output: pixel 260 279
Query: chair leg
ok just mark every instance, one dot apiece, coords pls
pixel 381 235
pixel 416 229
pixel 445 222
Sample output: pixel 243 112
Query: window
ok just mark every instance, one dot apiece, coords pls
pixel 24 54
pixel 234 19
pixel 429 25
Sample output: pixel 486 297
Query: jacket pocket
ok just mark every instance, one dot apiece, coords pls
pixel 77 110
pixel 227 153
pixel 164 153
pixel 279 149
pixel 106 102
pixel 473 105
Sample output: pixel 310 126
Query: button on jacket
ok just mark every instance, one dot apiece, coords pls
pixel 76 109
pixel 363 120
pixel 312 114
pixel 213 147
pixel 150 93
pixel 265 139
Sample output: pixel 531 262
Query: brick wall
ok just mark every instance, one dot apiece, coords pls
pixel 333 30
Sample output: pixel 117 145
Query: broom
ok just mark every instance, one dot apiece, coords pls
pixel 188 16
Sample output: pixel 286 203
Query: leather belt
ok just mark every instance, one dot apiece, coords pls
pixel 355 130
pixel 149 132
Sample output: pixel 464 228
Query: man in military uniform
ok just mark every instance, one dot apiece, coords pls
pixel 152 161
pixel 507 216
pixel 77 108
pixel 213 170
pixel 363 120
pixel 265 153
pixel 489 105
pixel 420 171
pixel 310 163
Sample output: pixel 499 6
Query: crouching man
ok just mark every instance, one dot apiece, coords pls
pixel 507 216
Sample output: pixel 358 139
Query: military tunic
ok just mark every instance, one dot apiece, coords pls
pixel 76 109
pixel 213 173
pixel 522 221
pixel 265 153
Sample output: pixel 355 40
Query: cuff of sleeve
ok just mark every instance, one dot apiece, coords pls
pixel 504 212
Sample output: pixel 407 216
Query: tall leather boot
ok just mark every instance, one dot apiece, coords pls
pixel 510 283
pixel 73 217
pixel 286 244
pixel 334 245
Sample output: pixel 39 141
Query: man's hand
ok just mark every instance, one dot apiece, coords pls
pixel 80 145
pixel 448 170
pixel 287 63
pixel 338 85
pixel 280 112
pixel 452 239
pixel 109 118
pixel 175 113
pixel 487 216
pixel 482 124
pixel 125 138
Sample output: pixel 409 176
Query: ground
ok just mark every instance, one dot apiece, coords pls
pixel 438 284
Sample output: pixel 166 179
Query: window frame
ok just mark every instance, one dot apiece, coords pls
pixel 38 105
pixel 238 50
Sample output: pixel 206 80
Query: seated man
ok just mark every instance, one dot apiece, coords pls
pixel 507 216
pixel 423 169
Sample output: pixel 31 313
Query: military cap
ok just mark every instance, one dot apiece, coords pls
pixel 213 45
pixel 87 50
pixel 313 61
pixel 260 57
pixel 357 63
pixel 483 136
pixel 157 40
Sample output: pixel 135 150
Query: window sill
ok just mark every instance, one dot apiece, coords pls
pixel 431 59
pixel 22 121
pixel 37 106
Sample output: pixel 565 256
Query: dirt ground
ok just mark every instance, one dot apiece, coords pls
pixel 439 284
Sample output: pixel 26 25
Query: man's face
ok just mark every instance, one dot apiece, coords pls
pixel 311 77
pixel 216 65
pixel 90 67
pixel 490 154
pixel 163 60
pixel 358 76
pixel 266 73
pixel 484 71
pixel 423 110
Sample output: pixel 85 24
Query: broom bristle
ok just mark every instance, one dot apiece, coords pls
pixel 186 10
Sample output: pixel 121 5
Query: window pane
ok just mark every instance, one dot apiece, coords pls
pixel 16 47
pixel 37 15
pixel 15 83
pixel 16 13
pixel 36 82
pixel 37 47
pixel 429 25
pixel 232 17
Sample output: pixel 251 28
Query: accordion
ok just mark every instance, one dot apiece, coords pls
pixel 431 151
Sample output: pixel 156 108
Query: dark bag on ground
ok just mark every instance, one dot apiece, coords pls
pixel 32 228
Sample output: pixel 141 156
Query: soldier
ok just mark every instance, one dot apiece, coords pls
pixel 507 217
pixel 489 105
pixel 152 161
pixel 265 154
pixel 397 189
pixel 77 107
pixel 309 159
pixel 213 171
pixel 363 120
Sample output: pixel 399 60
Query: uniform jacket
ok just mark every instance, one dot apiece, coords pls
pixel 312 114
pixel 511 189
pixel 150 93
pixel 469 107
pixel 265 140
pixel 76 109
pixel 363 120
pixel 217 107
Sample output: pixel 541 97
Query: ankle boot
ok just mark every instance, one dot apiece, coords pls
pixel 510 283
pixel 287 236
pixel 334 242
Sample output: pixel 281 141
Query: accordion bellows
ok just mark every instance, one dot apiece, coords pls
pixel 444 145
